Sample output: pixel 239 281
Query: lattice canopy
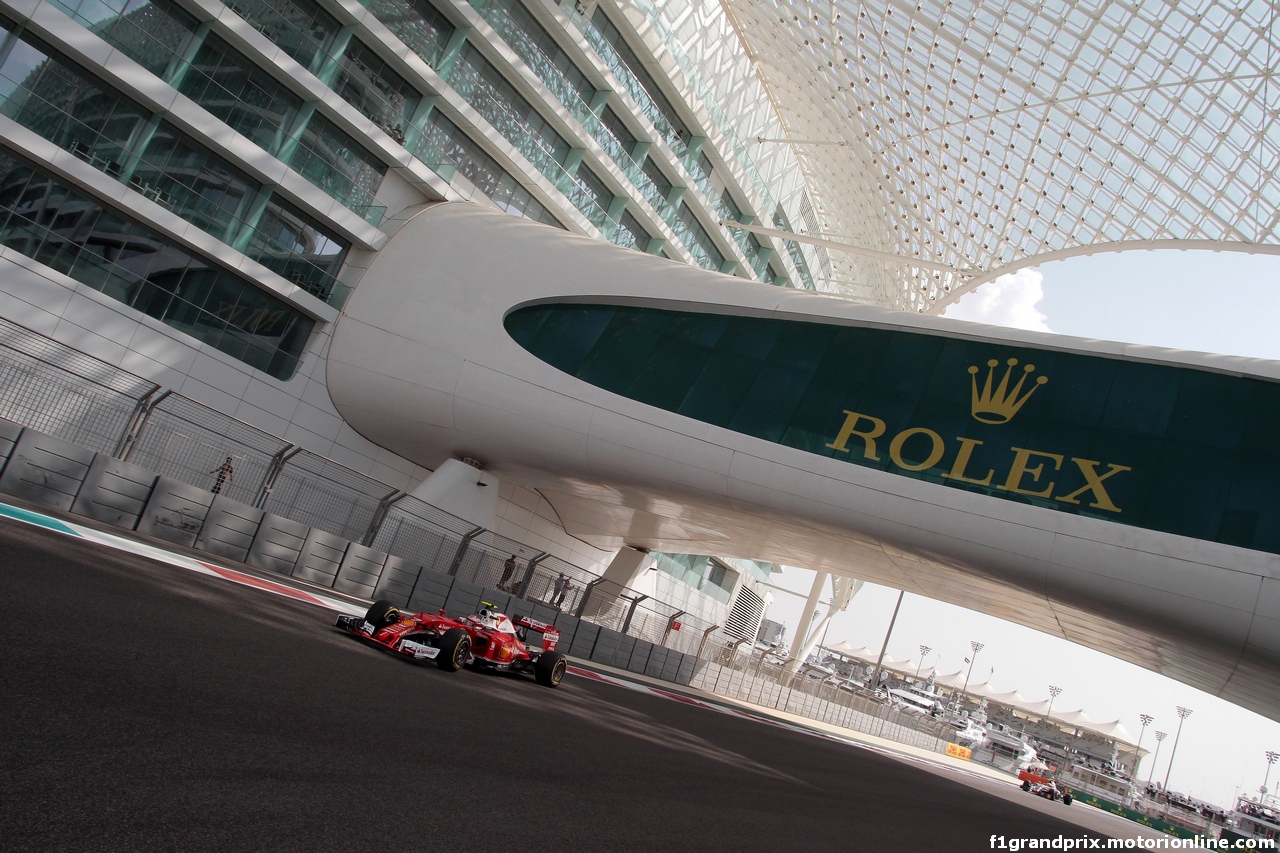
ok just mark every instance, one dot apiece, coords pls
pixel 991 135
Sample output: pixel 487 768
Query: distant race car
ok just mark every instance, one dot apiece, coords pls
pixel 485 640
pixel 1048 790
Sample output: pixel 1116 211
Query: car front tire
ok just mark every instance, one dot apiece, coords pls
pixel 455 648
pixel 382 613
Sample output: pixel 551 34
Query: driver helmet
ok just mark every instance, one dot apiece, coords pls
pixel 489 618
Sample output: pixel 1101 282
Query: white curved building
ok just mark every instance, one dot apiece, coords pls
pixel 235 200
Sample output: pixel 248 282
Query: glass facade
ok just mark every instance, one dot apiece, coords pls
pixel 703 248
pixel 62 103
pixel 246 98
pixel 153 33
pixel 201 187
pixel 70 107
pixel 475 164
pixel 644 90
pixel 701 573
pixel 1171 449
pixel 301 28
pixel 44 218
pixel 366 82
pixel 296 248
pixel 340 166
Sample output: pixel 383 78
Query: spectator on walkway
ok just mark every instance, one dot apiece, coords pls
pixel 226 474
pixel 557 588
pixel 508 569
pixel 561 590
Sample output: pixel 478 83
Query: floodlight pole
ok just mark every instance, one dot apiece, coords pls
pixel 1146 720
pixel 1160 736
pixel 1054 692
pixel 1271 759
pixel 964 691
pixel 1183 713
pixel 924 650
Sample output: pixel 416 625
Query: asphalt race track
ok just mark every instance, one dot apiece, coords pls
pixel 149 708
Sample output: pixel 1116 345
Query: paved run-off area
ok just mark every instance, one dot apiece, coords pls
pixel 143 707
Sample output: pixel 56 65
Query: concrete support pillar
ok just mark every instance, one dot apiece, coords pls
pixel 626 566
pixel 460 488
pixel 798 650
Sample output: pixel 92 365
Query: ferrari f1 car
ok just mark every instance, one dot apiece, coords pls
pixel 485 640
pixel 1048 790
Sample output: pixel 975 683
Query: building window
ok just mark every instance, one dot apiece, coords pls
pixel 636 235
pixel 676 132
pixel 297 248
pixel 365 81
pixel 478 167
pixel 153 33
pixel 44 218
pixel 248 99
pixel 201 187
pixel 64 104
pixel 339 165
pixel 301 28
pixel 416 23
pixel 703 248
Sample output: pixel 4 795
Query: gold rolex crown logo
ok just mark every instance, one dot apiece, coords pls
pixel 998 406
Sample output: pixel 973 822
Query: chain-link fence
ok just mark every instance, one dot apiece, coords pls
pixel 759 678
pixel 64 393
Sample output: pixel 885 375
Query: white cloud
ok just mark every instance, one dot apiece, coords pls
pixel 1008 301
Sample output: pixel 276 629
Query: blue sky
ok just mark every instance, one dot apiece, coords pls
pixel 1204 301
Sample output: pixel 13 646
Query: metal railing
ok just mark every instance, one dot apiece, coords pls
pixel 767 681
pixel 59 391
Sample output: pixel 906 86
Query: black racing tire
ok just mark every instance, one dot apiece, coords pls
pixel 381 613
pixel 550 668
pixel 1026 784
pixel 1066 799
pixel 455 648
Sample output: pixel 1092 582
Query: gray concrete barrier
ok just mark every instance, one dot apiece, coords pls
pixel 639 657
pixel 360 570
pixel 9 433
pixel 320 557
pixel 464 598
pixel 114 492
pixel 175 512
pixel 45 470
pixel 277 543
pixel 396 581
pixel 584 640
pixel 229 529
pixel 431 592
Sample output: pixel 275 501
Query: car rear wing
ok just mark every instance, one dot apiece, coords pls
pixel 550 633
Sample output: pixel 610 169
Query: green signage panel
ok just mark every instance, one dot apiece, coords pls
pixel 1172 449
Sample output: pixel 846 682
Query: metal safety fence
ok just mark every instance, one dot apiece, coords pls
pixel 240 469
pixel 759 678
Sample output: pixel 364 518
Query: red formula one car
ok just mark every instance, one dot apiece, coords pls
pixel 1048 790
pixel 486 640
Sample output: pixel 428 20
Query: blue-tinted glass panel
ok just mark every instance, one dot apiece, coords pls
pixel 153 33
pixel 102 248
pixel 252 102
pixel 301 28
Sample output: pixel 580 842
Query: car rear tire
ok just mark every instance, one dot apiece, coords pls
pixel 455 648
pixel 550 668
pixel 1066 799
pixel 381 614
pixel 1026 784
